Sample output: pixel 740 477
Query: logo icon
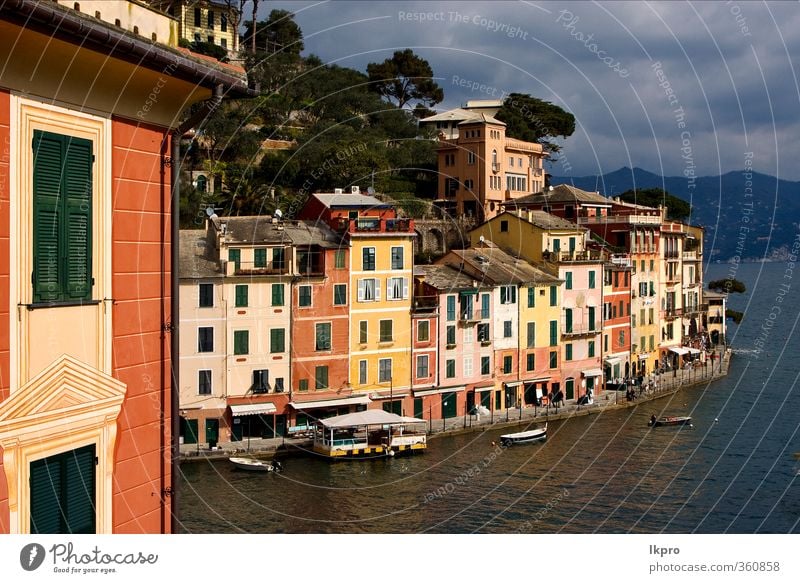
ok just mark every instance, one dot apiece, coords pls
pixel 31 556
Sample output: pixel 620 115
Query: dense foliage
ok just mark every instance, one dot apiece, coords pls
pixel 729 285
pixel 535 120
pixel 677 208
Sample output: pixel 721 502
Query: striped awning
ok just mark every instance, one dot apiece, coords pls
pixel 359 400
pixel 252 409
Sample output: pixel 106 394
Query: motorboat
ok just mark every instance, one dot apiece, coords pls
pixel 668 421
pixel 531 435
pixel 253 465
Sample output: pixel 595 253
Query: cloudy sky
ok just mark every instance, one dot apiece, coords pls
pixel 671 87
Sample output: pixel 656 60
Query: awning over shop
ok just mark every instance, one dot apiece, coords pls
pixel 512 384
pixel 538 380
pixel 593 372
pixel 253 409
pixel 611 360
pixel 678 350
pixel 692 350
pixel 424 392
pixel 644 356
pixel 484 388
pixel 359 400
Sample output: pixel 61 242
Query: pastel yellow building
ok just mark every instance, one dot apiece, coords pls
pixel 208 21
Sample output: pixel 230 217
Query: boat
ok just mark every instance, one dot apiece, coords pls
pixel 537 434
pixel 667 421
pixel 369 434
pixel 252 465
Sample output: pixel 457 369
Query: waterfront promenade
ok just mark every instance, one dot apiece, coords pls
pixel 664 385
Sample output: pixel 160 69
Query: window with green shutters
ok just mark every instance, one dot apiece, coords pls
pixel 568 280
pixel 340 294
pixel 553 333
pixel 553 359
pixel 304 296
pixel 568 320
pixel 62 218
pixel 241 296
pixel 450 369
pixel 368 259
pixel 531 362
pixel 451 308
pixel 277 340
pixel 362 331
pixel 508 363
pixel 235 257
pixel 592 281
pixel 338 259
pixel 206 295
pixel 302 385
pixel 486 365
pixel 531 334
pixel 531 297
pixel 556 245
pixel 260 257
pixel 321 377
pixel 277 294
pixel 62 493
pixel 553 295
pixel 385 333
pixel 568 352
pixel 485 315
pixel 591 318
pixel 451 335
pixel 323 336
pixel 591 348
pixel 241 341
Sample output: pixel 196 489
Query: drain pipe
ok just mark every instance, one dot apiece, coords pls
pixel 174 327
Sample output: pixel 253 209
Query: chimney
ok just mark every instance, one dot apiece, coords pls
pixel 355 190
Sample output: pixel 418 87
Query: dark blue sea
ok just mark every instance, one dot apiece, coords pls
pixel 609 473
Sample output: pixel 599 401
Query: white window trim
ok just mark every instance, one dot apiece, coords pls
pixel 391 370
pixel 211 378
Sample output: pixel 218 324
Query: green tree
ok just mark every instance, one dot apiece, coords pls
pixel 677 208
pixel 278 34
pixel 535 120
pixel 728 285
pixel 403 78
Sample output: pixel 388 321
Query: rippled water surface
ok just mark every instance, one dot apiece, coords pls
pixel 609 473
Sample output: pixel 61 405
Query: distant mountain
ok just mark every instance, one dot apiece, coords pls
pixel 745 214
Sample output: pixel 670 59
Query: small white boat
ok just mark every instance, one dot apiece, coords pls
pixel 537 434
pixel 252 465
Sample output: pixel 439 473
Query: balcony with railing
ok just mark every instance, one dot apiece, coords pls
pixel 472 316
pixel 695 310
pixel 691 256
pixel 377 225
pixel 256 268
pixel 671 313
pixel 425 305
pixel 577 330
pixel 626 219
pixel 588 256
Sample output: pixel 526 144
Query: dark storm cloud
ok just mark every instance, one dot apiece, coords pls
pixel 726 68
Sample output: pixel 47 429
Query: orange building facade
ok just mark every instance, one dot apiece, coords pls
pixel 85 392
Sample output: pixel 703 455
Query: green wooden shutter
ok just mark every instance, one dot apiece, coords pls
pixel 47 157
pixel 62 493
pixel 62 217
pixel 78 218
pixel 46 496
